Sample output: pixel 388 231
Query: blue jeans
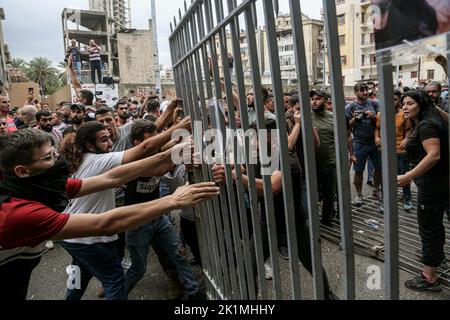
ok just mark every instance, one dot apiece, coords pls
pixel 96 66
pixel 100 260
pixel 369 170
pixel 363 152
pixel 164 233
pixel 403 167
pixel 77 68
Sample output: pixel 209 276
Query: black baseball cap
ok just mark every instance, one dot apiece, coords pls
pixel 78 107
pixel 319 92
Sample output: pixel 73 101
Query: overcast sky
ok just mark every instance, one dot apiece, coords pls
pixel 34 28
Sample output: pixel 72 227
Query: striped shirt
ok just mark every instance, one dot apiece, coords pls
pixel 94 54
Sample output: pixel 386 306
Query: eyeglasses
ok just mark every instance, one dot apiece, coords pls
pixel 54 155
pixel 432 91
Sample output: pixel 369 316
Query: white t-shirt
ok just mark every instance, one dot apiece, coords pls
pixel 99 202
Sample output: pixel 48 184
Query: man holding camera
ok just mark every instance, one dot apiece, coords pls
pixel 75 52
pixel 361 116
pixel 96 60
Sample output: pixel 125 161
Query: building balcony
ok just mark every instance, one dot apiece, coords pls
pixel 368 45
pixel 369 67
pixel 287 68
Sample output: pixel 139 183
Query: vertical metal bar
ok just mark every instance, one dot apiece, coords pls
pixel 217 266
pixel 342 160
pixel 259 106
pixel 220 212
pixel 198 135
pixel 308 148
pixel 229 180
pixel 223 196
pixel 227 213
pixel 199 176
pixel 389 165
pixel 448 78
pixel 218 252
pixel 201 26
pixel 284 152
pixel 239 185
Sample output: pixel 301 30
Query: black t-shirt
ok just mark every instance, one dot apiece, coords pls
pixel 142 190
pixel 432 185
pixel 296 175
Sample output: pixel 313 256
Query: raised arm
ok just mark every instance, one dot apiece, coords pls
pixel 73 76
pixel 164 120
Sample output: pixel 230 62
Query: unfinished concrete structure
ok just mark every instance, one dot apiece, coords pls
pixel 128 55
pixel 83 25
pixel 5 57
pixel 135 56
pixel 118 10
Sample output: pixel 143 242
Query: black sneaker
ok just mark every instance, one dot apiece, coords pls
pixel 420 283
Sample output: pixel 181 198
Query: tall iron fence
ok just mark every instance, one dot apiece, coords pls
pixel 230 232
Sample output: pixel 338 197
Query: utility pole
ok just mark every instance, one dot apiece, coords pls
pixel 155 47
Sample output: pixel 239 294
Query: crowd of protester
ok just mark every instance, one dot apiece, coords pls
pixel 84 173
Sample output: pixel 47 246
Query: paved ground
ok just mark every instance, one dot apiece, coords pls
pixel 49 279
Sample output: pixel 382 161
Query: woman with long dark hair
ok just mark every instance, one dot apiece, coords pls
pixel 428 152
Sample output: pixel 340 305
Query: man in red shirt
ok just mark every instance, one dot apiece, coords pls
pixel 36 189
pixel 4 109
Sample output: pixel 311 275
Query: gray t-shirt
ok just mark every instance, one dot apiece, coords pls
pixel 123 142
pixel 99 202
pixel 364 129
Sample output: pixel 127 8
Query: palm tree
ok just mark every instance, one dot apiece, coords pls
pixel 18 63
pixel 40 70
pixel 62 74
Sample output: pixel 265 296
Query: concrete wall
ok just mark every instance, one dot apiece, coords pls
pixel 18 92
pixel 136 62
pixel 62 94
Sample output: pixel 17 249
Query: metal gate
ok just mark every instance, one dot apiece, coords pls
pixel 226 237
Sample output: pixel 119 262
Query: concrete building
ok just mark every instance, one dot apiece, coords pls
pixel 313 33
pixel 83 25
pixel 167 74
pixel 358 56
pixel 135 56
pixel 128 55
pixel 5 57
pixel 118 10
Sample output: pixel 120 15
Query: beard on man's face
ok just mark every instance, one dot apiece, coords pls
pixel 47 128
pixel 77 121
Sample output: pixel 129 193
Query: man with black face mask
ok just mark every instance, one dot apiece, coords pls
pixel 36 189
pixel 44 121
pixel 322 119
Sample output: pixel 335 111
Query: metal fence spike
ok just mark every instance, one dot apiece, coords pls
pixel 276 7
